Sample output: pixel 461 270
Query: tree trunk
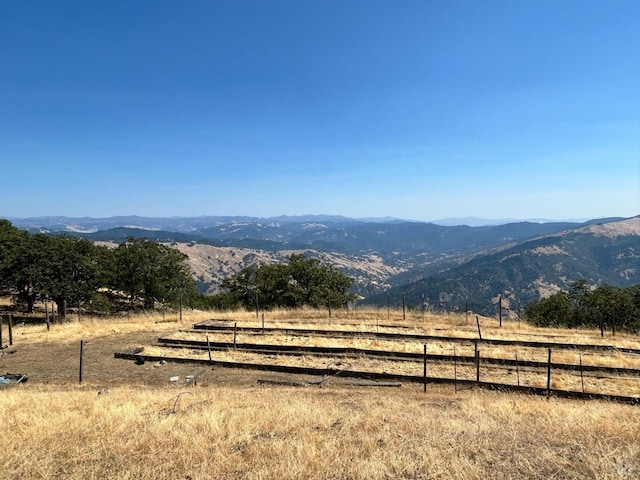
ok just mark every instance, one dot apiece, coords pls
pixel 62 308
pixel 149 303
pixel 28 297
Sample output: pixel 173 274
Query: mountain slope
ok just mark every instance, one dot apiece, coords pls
pixel 398 238
pixel 600 253
pixel 211 264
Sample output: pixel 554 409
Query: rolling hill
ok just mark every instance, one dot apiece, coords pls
pixel 607 253
pixel 446 267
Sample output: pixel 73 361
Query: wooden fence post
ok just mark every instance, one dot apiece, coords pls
pixel 425 369
pixel 235 329
pixel 455 370
pixel 581 373
pixel 477 366
pixel 466 311
pixel 10 330
pixel 549 375
pixel 601 328
pixel 81 359
pixel 478 324
pixel 257 305
pixel 613 325
pixel 209 348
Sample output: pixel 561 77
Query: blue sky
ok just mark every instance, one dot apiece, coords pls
pixel 412 109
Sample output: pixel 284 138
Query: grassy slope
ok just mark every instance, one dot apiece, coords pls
pixel 229 427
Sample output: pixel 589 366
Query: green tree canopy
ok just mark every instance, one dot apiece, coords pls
pixel 150 271
pixel 40 267
pixel 72 270
pixel 10 239
pixel 553 311
pixel 22 258
pixel 584 305
pixel 300 282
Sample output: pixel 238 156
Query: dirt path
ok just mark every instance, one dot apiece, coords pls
pixel 57 362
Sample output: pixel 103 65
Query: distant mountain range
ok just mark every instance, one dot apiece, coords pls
pixel 439 266
pixel 481 222
pixel 191 224
pixel 173 224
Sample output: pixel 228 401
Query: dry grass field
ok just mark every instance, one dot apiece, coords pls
pixel 128 421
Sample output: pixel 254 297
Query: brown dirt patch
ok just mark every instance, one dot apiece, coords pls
pixel 55 361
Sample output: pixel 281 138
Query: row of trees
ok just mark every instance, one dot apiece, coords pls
pixel 605 307
pixel 72 271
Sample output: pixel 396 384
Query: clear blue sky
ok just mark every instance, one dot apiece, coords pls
pixel 412 109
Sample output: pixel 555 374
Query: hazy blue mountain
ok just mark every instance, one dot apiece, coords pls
pixel 174 224
pixel 482 222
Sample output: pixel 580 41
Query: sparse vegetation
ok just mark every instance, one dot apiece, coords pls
pixel 129 421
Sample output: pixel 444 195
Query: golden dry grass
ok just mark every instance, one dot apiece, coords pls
pixel 445 325
pixel 254 432
pixel 227 426
pixel 569 356
pixel 453 324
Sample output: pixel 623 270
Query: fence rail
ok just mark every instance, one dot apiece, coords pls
pixel 300 350
pixel 386 377
pixel 605 381
pixel 416 337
